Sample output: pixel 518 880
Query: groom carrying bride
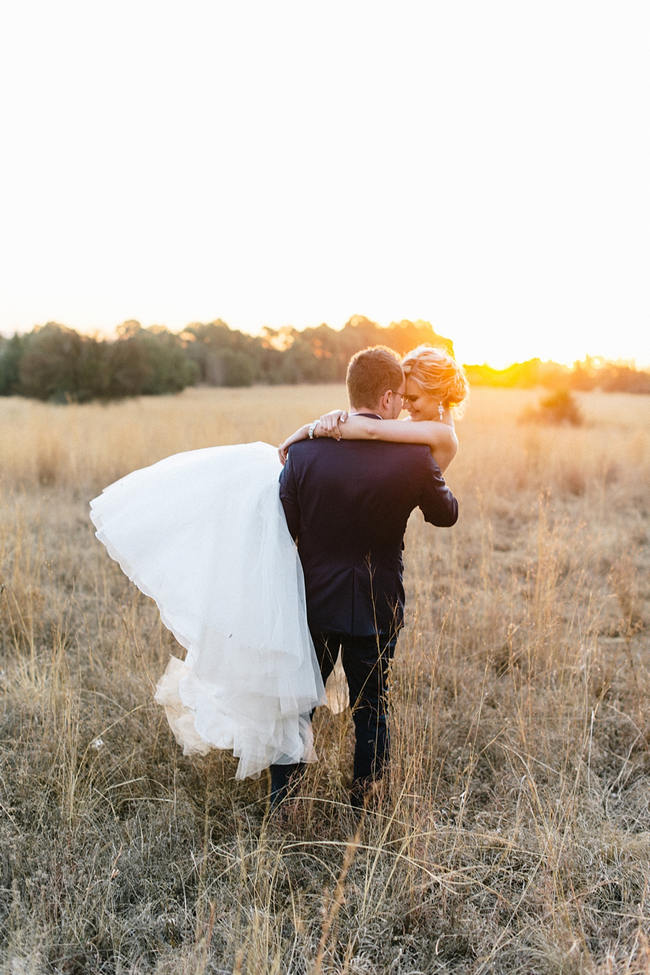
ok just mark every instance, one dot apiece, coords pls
pixel 347 502
pixel 202 533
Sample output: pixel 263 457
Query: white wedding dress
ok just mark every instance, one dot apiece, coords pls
pixel 203 533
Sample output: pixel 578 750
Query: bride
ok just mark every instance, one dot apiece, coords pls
pixel 203 533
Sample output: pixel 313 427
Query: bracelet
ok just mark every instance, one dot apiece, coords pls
pixel 312 427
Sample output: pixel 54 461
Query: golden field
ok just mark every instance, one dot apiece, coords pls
pixel 516 835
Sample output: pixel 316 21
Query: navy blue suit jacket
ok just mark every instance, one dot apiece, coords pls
pixel 346 504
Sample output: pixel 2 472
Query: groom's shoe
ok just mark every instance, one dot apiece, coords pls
pixel 284 781
pixel 367 793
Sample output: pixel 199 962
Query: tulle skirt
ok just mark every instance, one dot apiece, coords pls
pixel 203 533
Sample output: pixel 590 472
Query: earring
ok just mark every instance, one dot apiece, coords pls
pixel 441 411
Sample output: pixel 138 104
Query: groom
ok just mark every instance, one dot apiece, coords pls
pixel 346 504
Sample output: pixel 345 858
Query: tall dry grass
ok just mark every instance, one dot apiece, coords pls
pixel 515 835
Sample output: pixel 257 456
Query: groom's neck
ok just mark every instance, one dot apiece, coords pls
pixel 375 410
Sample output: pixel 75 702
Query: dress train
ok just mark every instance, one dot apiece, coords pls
pixel 203 533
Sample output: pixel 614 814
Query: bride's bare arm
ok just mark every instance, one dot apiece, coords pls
pixel 440 437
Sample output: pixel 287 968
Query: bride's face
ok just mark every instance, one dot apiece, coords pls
pixel 420 405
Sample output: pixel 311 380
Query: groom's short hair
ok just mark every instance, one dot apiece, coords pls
pixel 371 373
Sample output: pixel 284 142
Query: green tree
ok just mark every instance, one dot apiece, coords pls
pixel 170 368
pixel 49 366
pixel 128 367
pixel 147 362
pixel 11 353
pixel 238 368
pixel 224 356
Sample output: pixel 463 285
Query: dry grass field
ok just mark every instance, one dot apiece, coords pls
pixel 516 836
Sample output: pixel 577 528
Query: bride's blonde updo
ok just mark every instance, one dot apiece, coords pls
pixel 439 376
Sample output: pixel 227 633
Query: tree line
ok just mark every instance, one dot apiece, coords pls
pixel 59 364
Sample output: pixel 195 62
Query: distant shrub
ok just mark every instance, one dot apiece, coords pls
pixel 559 407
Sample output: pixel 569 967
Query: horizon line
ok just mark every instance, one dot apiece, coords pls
pixel 110 333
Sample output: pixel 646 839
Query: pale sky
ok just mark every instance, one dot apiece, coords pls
pixel 481 165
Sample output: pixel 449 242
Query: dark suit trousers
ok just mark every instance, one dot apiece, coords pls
pixel 365 661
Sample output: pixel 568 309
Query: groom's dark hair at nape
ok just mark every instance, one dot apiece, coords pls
pixel 371 373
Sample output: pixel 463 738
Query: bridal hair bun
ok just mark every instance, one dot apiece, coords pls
pixel 439 375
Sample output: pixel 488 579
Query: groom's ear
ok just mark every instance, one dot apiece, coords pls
pixel 385 402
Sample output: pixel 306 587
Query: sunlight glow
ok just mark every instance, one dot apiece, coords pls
pixel 483 168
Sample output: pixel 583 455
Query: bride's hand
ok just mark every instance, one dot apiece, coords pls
pixel 283 450
pixel 300 434
pixel 329 424
pixel 326 426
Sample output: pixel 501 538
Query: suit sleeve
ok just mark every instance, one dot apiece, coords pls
pixel 289 496
pixel 438 504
